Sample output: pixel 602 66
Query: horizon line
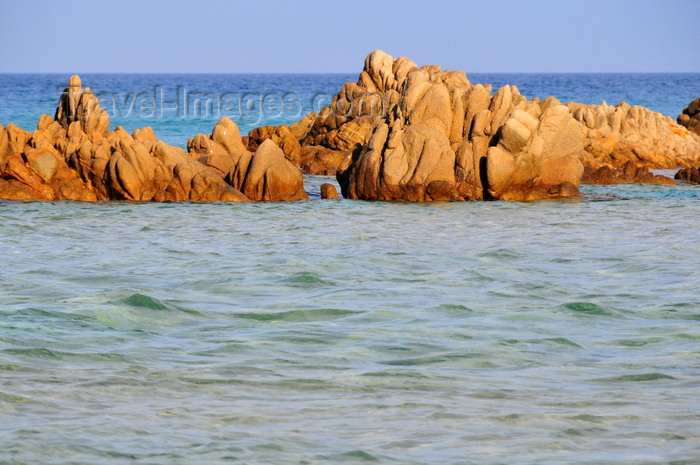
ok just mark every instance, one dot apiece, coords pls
pixel 330 72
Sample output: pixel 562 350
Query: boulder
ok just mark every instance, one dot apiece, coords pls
pixel 270 176
pixel 81 106
pixel 496 155
pixel 690 118
pixel 328 191
pixel 691 175
pixel 320 160
pixel 303 151
pixel 224 139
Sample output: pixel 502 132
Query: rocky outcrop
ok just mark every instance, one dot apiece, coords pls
pixel 311 157
pixel 73 156
pixel 33 165
pixel 690 118
pixel 399 133
pixel 623 133
pixel 344 126
pixel 81 106
pixel 265 174
pixel 444 139
pixel 691 175
pixel 611 136
pixel 629 173
pixel 126 167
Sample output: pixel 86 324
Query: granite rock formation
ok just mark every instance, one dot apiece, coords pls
pixel 265 174
pixel 443 138
pixel 690 118
pixel 623 133
pixel 612 136
pixel 73 156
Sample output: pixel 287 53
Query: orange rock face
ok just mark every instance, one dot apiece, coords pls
pixel 73 156
pixel 444 139
pixel 617 135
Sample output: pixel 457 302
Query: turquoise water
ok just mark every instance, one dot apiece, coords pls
pixel 178 106
pixel 329 332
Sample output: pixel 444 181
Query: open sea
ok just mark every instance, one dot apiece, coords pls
pixel 347 332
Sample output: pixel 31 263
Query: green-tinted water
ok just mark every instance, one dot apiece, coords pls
pixel 352 332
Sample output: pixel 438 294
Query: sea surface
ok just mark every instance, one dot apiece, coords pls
pixel 349 332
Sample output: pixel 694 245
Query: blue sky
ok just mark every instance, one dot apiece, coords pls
pixel 208 36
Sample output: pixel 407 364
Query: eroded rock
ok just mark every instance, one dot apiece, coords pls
pixel 617 135
pixel 445 139
pixel 74 156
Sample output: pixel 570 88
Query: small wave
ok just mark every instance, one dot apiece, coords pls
pixel 588 418
pixel 296 316
pixel 12 398
pixel 489 395
pixel 643 377
pixel 353 456
pixel 145 301
pixel 587 308
pixel 503 253
pixel 421 361
pixel 13 367
pixel 638 342
pixel 393 374
pixel 35 353
pixel 563 341
pixel 455 309
pixel 306 280
pixel 48 354
pixel 67 316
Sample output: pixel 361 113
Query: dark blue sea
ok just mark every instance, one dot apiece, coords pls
pixel 347 332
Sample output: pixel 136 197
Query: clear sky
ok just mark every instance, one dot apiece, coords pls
pixel 209 36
